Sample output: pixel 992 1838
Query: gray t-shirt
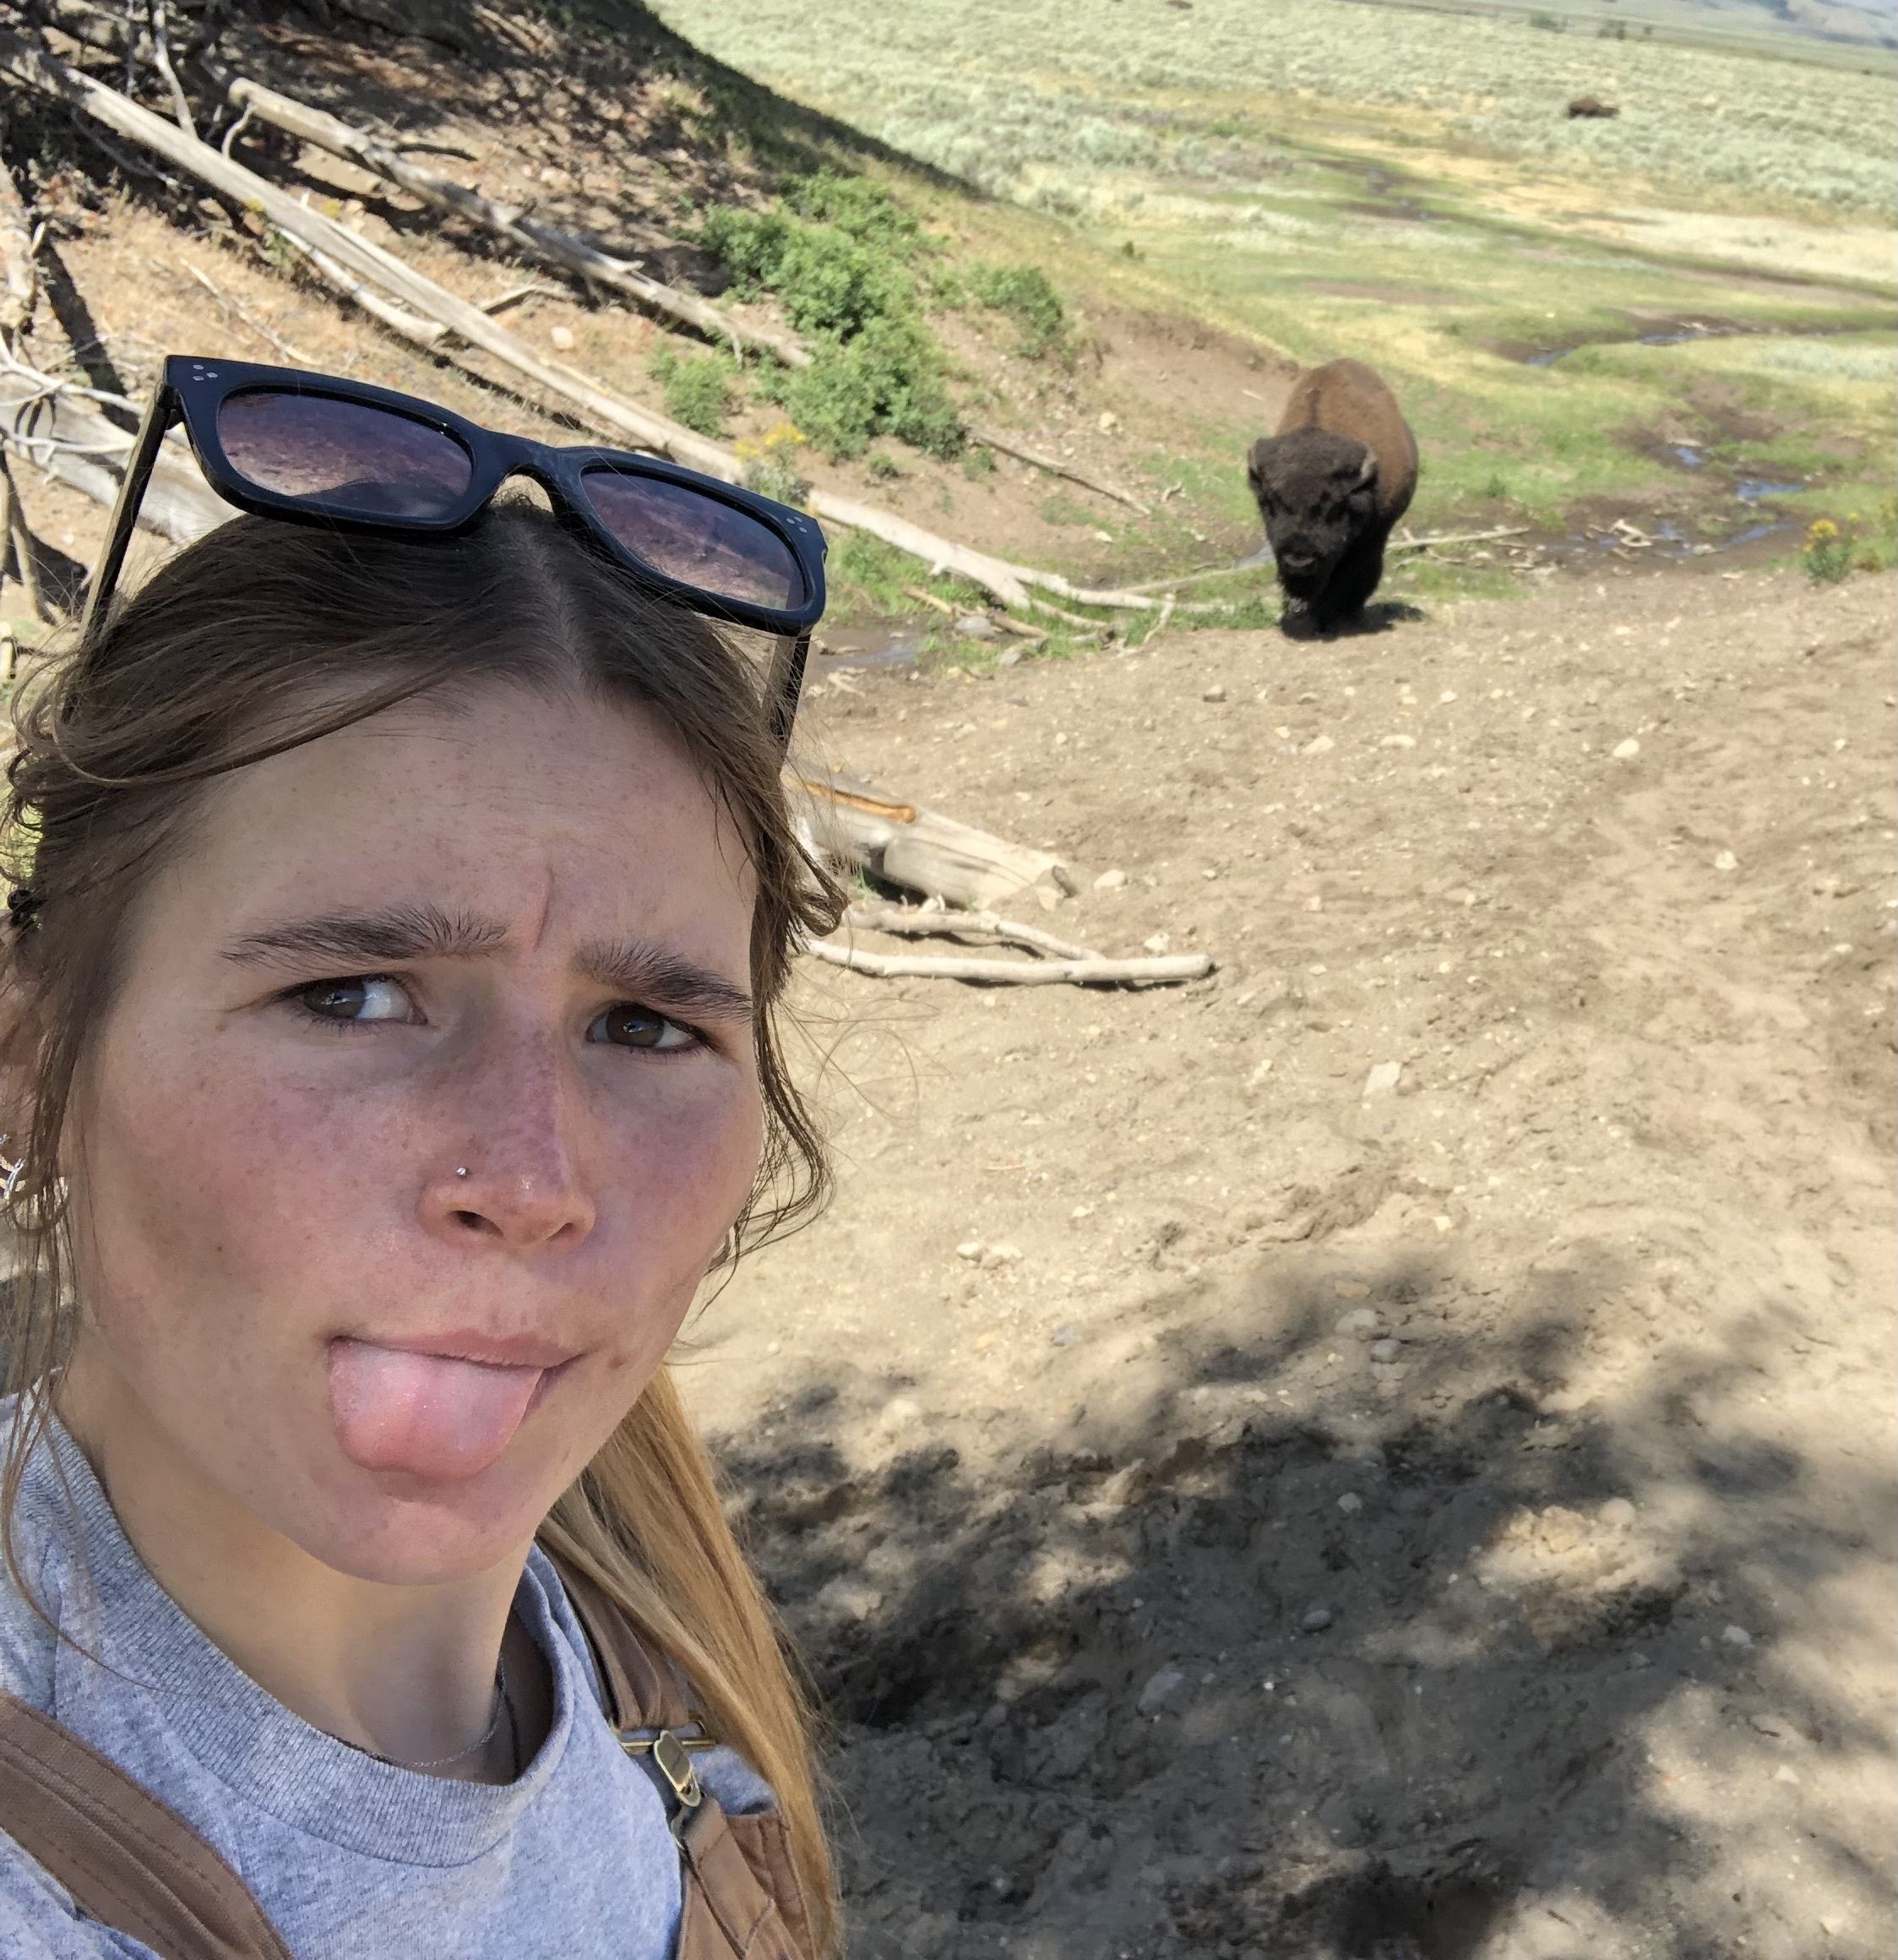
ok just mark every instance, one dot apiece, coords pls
pixel 352 1858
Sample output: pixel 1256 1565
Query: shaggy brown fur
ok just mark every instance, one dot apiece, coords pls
pixel 1329 485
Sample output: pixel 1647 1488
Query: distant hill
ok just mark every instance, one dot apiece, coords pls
pixel 1839 25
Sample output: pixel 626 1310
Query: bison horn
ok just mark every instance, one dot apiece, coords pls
pixel 1369 473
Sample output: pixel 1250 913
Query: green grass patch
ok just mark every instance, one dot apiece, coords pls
pixel 698 388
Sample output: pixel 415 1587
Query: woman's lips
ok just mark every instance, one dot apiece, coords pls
pixel 443 1417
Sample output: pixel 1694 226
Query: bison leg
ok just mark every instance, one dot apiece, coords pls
pixel 1355 578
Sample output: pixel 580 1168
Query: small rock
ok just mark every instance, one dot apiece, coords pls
pixel 1785 1774
pixel 1725 861
pixel 1736 1636
pixel 1383 1079
pixel 1387 1350
pixel 1260 1070
pixel 1617 1512
pixel 900 1413
pixel 995 1255
pixel 1155 942
pixel 1064 1336
pixel 1317 1617
pixel 1009 658
pixel 1360 1324
pixel 1109 880
pixel 977 626
pixel 1398 742
pixel 1162 1684
pixel 969 1249
pixel 1107 421
pixel 1626 751
pixel 1318 745
pixel 1214 693
pixel 562 338
pixel 1350 1504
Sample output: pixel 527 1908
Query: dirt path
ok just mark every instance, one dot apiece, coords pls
pixel 1239 1507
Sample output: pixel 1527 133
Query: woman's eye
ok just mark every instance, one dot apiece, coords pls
pixel 366 998
pixel 639 1027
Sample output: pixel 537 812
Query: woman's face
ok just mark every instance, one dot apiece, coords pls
pixel 427 1099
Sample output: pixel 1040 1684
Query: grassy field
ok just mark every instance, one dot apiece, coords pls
pixel 1653 313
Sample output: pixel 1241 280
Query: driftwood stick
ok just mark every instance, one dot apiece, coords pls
pixel 929 922
pixel 236 310
pixel 562 249
pixel 161 59
pixel 1407 543
pixel 15 533
pixel 398 320
pixel 1161 970
pixel 990 439
pixel 17 258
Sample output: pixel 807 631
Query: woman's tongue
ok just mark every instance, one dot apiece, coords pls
pixel 427 1414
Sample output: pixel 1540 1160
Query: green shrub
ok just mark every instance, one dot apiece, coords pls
pixel 865 210
pixel 698 389
pixel 1024 294
pixel 887 380
pixel 1826 553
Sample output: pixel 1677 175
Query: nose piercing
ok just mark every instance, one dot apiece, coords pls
pixel 461 1170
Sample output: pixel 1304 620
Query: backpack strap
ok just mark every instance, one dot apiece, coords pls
pixel 743 1900
pixel 129 1861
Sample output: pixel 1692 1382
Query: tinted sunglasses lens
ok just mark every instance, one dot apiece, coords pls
pixel 700 540
pixel 362 460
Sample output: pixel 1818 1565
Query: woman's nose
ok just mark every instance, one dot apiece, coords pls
pixel 514 1173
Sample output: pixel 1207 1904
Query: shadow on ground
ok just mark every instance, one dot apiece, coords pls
pixel 1313 1670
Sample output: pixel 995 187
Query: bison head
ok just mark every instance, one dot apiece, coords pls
pixel 1317 493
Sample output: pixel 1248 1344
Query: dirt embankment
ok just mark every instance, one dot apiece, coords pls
pixel 1387 1453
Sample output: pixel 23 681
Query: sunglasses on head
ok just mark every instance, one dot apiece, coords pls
pixel 315 448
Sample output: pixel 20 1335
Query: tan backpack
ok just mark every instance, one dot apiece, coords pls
pixel 132 1863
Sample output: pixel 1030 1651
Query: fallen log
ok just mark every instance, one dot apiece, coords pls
pixel 602 410
pixel 1008 446
pixel 17 260
pixel 921 850
pixel 1407 542
pixel 43 420
pixel 511 222
pixel 1160 970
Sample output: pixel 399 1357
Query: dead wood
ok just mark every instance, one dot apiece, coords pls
pixel 1009 447
pixel 1162 970
pixel 602 410
pixel 921 850
pixel 47 423
pixel 398 320
pixel 17 260
pixel 509 221
pixel 17 539
pixel 161 60
pixel 922 922
pixel 1408 543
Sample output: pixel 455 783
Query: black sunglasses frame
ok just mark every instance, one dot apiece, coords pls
pixel 192 391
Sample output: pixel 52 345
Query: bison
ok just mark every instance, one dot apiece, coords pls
pixel 1329 485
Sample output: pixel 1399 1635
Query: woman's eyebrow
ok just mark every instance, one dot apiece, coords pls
pixel 376 938
pixel 351 941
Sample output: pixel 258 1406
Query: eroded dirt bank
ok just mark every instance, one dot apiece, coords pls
pixel 1238 1506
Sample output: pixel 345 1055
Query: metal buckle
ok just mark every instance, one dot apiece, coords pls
pixel 671 1756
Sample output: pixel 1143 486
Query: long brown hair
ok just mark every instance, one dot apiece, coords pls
pixel 263 636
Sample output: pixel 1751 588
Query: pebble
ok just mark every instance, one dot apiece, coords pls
pixel 1618 1512
pixel 1387 1350
pixel 977 626
pixel 995 1255
pixel 562 338
pixel 1009 658
pixel 1398 742
pixel 1785 1774
pixel 969 1249
pixel 1214 693
pixel 1109 880
pixel 1064 1336
pixel 1725 861
pixel 1260 1070
pixel 1383 1079
pixel 1319 745
pixel 1350 1504
pixel 899 1413
pixel 1736 1636
pixel 1317 1617
pixel 1360 1324
pixel 1156 942
pixel 1162 1684
pixel 1626 751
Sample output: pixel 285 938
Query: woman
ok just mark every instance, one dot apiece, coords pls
pixel 403 895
